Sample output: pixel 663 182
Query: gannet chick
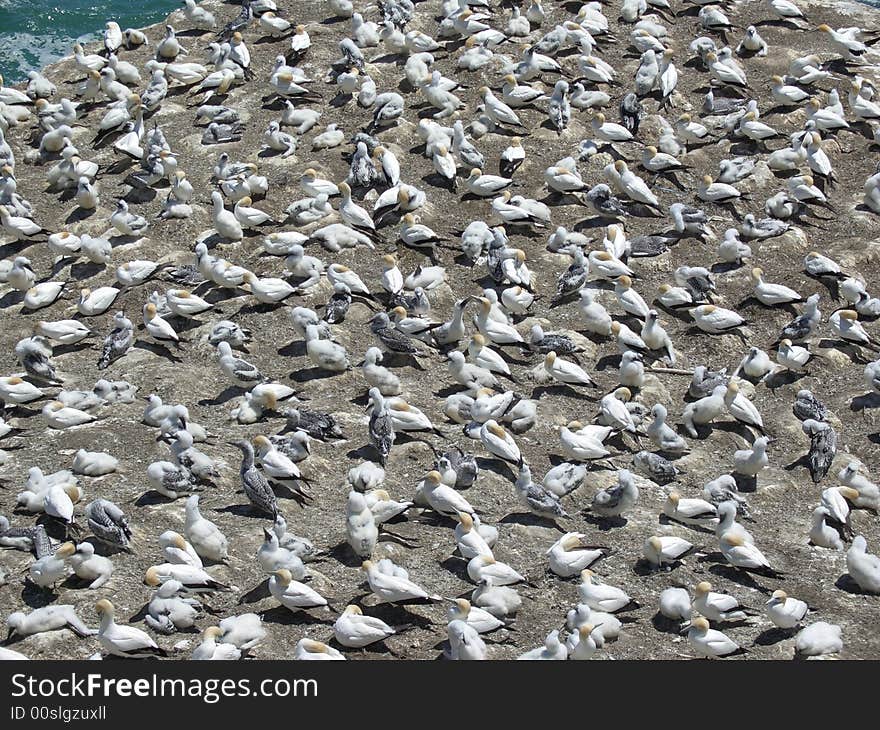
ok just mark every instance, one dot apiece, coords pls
pixel 751 462
pixel 752 43
pixel 108 523
pixel 553 649
pixel 662 434
pixel 168 612
pixel 124 641
pixel 46 618
pixel 818 639
pixel 272 557
pixel 615 500
pixel 675 604
pixel 90 567
pixel 594 316
pixel 863 567
pixel 361 526
pixel 710 643
pixel 170 480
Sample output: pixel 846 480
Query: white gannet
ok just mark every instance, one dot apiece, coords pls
pixel 122 640
pixel 784 611
pixel 709 643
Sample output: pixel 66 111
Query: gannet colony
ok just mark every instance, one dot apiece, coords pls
pixel 475 329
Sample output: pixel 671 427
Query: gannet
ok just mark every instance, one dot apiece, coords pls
pixel 614 501
pixel 91 567
pixel 124 641
pixel 675 604
pixel 552 649
pixel 709 643
pixel 818 639
pixel 786 612
pixel 48 570
pixel 601 596
pixel 863 567
pixel 47 618
pixel 660 550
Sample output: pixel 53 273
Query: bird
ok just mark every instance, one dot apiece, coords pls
pixel 710 643
pixel 123 640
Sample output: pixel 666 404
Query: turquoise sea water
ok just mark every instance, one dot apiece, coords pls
pixel 36 32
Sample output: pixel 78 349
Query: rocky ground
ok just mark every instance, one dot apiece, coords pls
pixel 781 504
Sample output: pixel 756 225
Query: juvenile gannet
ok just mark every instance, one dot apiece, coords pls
pixel 614 501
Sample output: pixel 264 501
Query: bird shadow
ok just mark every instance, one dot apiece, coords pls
pixel 733 574
pixel 644 568
pixel 293 349
pixel 665 625
pixel 35 596
pixel 783 377
pixel 285 617
pixel 769 637
pixel 498 466
pixel 255 594
pixel 14 248
pixel 225 396
pixel 343 553
pixel 457 566
pixel 152 497
pixel 243 510
pixel 846 583
pixel 157 349
pixel 307 374
pixel 527 519
pixel 396 614
pixel 863 402
pixel 605 523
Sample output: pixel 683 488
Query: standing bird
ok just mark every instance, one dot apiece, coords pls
pixel 118 342
pixel 255 485
pixel 381 426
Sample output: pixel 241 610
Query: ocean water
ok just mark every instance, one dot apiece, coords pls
pixel 34 33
